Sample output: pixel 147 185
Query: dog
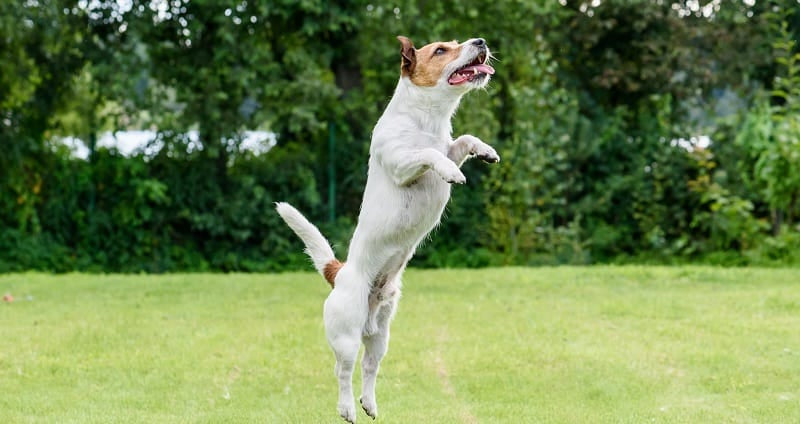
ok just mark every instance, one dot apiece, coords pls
pixel 413 161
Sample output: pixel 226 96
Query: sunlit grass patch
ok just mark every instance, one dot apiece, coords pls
pixel 560 345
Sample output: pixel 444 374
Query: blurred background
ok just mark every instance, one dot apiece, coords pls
pixel 156 135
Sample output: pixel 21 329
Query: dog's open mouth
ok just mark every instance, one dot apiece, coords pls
pixel 477 69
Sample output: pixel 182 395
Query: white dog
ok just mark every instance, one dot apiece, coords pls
pixel 413 160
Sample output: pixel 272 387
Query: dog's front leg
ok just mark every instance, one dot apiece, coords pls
pixel 405 166
pixel 466 145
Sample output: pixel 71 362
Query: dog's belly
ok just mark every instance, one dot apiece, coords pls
pixel 410 212
pixel 394 219
pixel 423 202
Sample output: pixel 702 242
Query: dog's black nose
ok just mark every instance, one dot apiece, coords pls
pixel 480 42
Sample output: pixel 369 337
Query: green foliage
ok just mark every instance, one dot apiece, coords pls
pixel 586 109
pixel 150 215
pixel 726 218
pixel 771 134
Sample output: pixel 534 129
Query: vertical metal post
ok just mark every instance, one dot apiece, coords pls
pixel 92 239
pixel 331 172
pixel 92 147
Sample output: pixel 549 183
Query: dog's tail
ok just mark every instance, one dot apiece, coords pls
pixel 317 246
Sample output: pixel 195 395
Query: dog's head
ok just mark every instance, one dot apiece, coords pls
pixel 449 64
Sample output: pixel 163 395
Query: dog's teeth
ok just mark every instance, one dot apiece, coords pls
pixel 474 71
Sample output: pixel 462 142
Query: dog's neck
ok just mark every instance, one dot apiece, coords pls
pixel 430 107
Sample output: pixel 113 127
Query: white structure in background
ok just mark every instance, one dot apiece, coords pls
pixel 700 142
pixel 130 142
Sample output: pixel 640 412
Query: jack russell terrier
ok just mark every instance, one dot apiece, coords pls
pixel 413 161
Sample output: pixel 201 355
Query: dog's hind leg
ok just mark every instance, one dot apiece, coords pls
pixel 346 351
pixel 375 347
pixel 345 348
pixel 345 313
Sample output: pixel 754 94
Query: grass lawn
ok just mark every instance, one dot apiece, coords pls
pixel 515 345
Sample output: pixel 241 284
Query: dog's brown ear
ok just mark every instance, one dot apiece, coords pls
pixel 409 55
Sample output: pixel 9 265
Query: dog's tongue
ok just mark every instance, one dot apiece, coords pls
pixel 457 78
pixel 467 73
pixel 483 68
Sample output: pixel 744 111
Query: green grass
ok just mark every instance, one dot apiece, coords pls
pixel 549 345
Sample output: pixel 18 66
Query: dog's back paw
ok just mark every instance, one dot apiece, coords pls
pixel 369 406
pixel 348 412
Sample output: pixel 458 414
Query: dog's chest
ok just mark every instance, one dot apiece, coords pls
pixel 429 191
pixel 401 215
pixel 423 201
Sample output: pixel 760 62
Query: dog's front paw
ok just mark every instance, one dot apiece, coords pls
pixel 369 406
pixel 457 178
pixel 452 174
pixel 348 412
pixel 486 153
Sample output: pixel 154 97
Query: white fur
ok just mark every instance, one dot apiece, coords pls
pixel 316 246
pixel 413 160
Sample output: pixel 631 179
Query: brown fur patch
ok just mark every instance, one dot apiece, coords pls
pixel 331 269
pixel 408 56
pixel 380 281
pixel 429 66
pixel 423 65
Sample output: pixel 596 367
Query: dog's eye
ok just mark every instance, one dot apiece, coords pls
pixel 440 51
